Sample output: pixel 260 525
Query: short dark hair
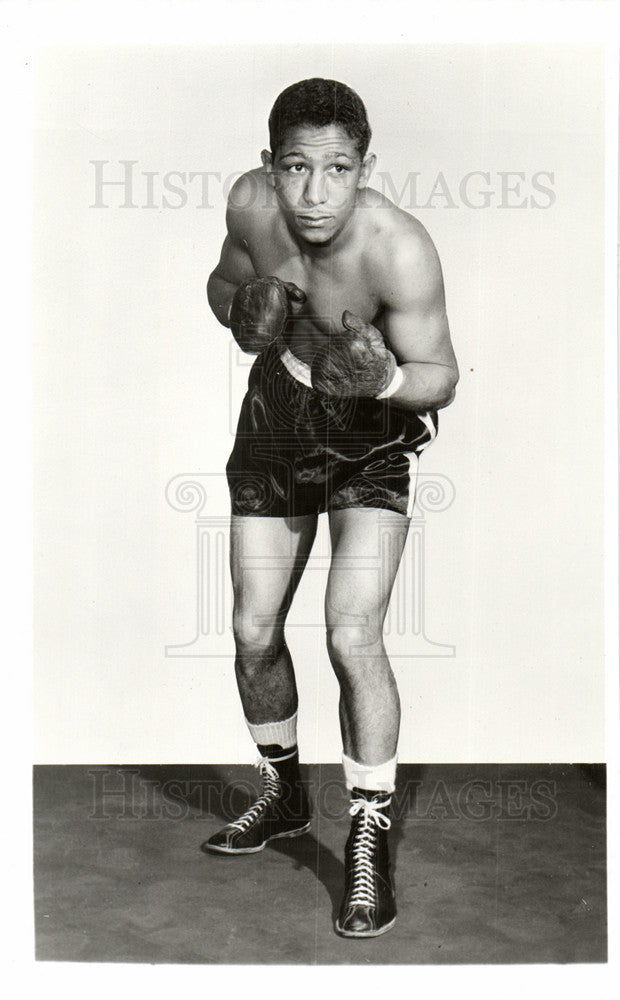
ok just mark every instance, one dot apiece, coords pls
pixel 318 102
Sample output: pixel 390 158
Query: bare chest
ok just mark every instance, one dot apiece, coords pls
pixel 331 284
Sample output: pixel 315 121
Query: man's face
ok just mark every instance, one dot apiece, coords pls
pixel 317 173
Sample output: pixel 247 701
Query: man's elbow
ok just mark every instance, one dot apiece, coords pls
pixel 210 285
pixel 214 297
pixel 448 393
pixel 445 400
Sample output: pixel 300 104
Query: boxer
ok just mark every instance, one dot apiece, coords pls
pixel 339 294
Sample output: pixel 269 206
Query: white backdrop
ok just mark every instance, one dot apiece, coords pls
pixel 136 384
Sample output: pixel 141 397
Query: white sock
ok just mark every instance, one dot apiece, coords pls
pixel 370 778
pixel 283 733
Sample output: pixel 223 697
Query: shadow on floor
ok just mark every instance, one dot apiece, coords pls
pixel 228 794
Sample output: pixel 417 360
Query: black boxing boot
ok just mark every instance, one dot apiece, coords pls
pixel 281 810
pixel 368 908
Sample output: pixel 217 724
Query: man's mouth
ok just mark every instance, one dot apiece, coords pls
pixel 314 221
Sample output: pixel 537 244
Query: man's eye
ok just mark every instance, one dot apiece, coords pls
pixel 295 168
pixel 339 168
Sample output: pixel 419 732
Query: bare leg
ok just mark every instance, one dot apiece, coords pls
pixel 267 557
pixel 358 591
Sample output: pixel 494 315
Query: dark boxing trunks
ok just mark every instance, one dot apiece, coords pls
pixel 298 451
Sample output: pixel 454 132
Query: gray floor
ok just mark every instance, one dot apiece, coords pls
pixel 492 864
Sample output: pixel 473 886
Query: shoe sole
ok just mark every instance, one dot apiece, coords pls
pixel 261 847
pixel 365 934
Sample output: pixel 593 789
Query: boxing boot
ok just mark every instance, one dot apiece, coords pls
pixel 368 908
pixel 281 810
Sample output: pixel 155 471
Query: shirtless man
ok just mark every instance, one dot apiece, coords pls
pixel 340 295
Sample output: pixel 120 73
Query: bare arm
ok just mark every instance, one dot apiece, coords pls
pixel 254 308
pixel 234 268
pixel 416 325
pixel 235 265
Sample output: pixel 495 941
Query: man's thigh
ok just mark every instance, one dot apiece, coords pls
pixel 267 558
pixel 367 545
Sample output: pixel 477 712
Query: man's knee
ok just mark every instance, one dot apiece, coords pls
pixel 258 643
pixel 348 645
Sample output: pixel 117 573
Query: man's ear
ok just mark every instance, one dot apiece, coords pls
pixel 367 168
pixel 267 159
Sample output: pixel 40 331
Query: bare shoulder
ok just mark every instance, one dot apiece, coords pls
pixel 402 255
pixel 251 206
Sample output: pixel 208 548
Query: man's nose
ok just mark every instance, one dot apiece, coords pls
pixel 315 192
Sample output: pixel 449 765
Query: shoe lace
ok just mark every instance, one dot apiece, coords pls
pixel 363 849
pixel 270 793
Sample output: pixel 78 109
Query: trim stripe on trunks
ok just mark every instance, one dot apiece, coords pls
pixel 414 461
pixel 298 369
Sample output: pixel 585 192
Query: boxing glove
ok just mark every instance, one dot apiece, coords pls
pixel 259 310
pixel 355 362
